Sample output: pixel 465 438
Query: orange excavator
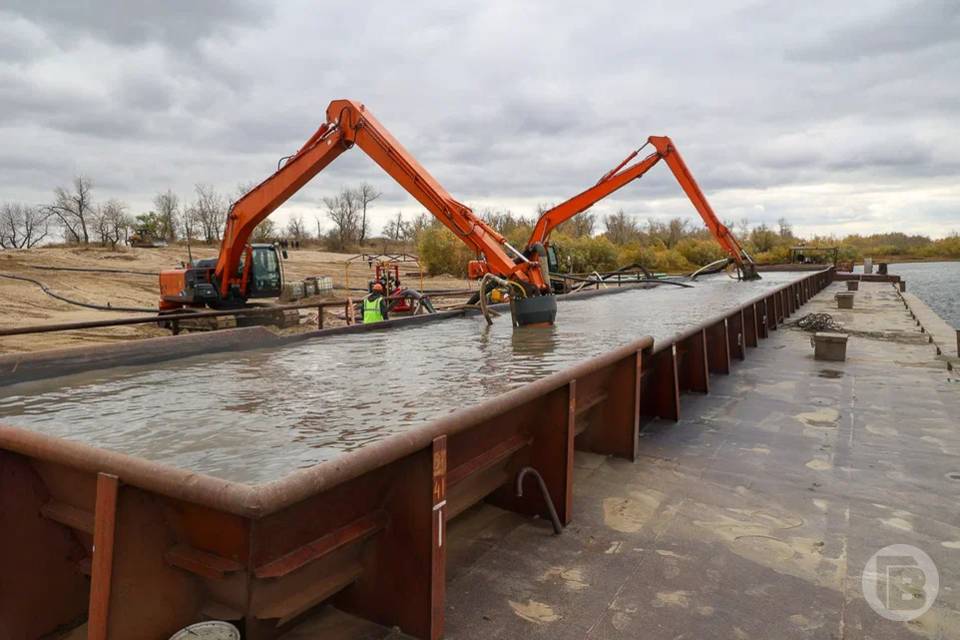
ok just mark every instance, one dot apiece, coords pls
pixel 620 176
pixel 244 271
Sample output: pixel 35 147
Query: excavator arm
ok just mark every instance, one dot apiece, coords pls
pixel 621 175
pixel 348 124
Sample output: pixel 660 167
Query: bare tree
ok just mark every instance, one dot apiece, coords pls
pixel 112 222
pixel 786 229
pixel 620 228
pixel 505 222
pixel 22 226
pixel 580 225
pixel 343 210
pixel 415 227
pixel 743 228
pixel 266 231
pixel 365 194
pixel 189 223
pixel 394 228
pixel 211 212
pixel 167 205
pixel 676 230
pixel 296 230
pixel 73 209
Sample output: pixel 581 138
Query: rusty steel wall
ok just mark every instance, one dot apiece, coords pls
pixel 364 531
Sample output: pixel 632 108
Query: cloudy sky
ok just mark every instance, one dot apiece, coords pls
pixel 843 117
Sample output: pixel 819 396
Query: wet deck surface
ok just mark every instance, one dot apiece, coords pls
pixel 751 518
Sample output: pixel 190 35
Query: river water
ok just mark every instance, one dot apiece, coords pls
pixel 936 283
pixel 254 416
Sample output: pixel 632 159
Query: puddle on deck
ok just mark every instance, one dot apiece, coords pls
pixel 257 415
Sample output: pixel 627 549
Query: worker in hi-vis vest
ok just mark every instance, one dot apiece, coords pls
pixel 375 305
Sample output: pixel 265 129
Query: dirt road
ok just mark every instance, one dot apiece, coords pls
pixel 132 283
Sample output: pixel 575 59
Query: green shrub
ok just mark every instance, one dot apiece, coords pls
pixel 441 252
pixel 776 255
pixel 585 254
pixel 671 261
pixel 636 253
pixel 700 252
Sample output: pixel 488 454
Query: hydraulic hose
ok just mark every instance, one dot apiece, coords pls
pixel 542 261
pixel 713 267
pixel 87 305
pixel 488 313
pixel 96 270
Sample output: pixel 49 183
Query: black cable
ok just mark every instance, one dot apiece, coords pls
pixel 97 307
pixel 96 270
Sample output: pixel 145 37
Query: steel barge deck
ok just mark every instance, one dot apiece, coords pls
pixel 712 507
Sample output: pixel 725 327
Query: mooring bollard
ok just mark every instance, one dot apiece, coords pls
pixel 845 300
pixel 829 346
pixel 853 285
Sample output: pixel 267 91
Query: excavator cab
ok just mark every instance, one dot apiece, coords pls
pixel 194 285
pixel 558 285
pixel 553 261
pixel 266 273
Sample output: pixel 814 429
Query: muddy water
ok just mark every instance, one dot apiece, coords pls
pixel 257 415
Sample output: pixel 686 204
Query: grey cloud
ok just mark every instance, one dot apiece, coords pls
pixel 20 39
pixel 905 28
pixel 779 109
pixel 179 23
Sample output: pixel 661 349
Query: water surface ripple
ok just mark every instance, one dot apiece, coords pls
pixel 254 416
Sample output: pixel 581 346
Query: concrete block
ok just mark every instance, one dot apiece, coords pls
pixel 853 285
pixel 829 346
pixel 845 300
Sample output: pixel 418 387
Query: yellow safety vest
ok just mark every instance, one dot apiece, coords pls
pixel 371 310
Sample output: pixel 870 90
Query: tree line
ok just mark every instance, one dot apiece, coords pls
pixel 343 221
pixel 589 242
pixel 75 216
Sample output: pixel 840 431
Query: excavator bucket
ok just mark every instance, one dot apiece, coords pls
pixel 534 311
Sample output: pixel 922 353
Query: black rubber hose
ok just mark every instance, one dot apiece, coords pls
pixel 87 305
pixel 591 280
pixel 96 270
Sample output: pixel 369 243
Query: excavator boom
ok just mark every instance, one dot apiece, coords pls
pixel 621 175
pixel 350 124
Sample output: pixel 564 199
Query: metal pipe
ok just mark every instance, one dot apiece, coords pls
pixel 554 518
pixel 92 324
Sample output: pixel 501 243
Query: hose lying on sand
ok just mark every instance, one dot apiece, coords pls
pixel 98 307
pixel 96 270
